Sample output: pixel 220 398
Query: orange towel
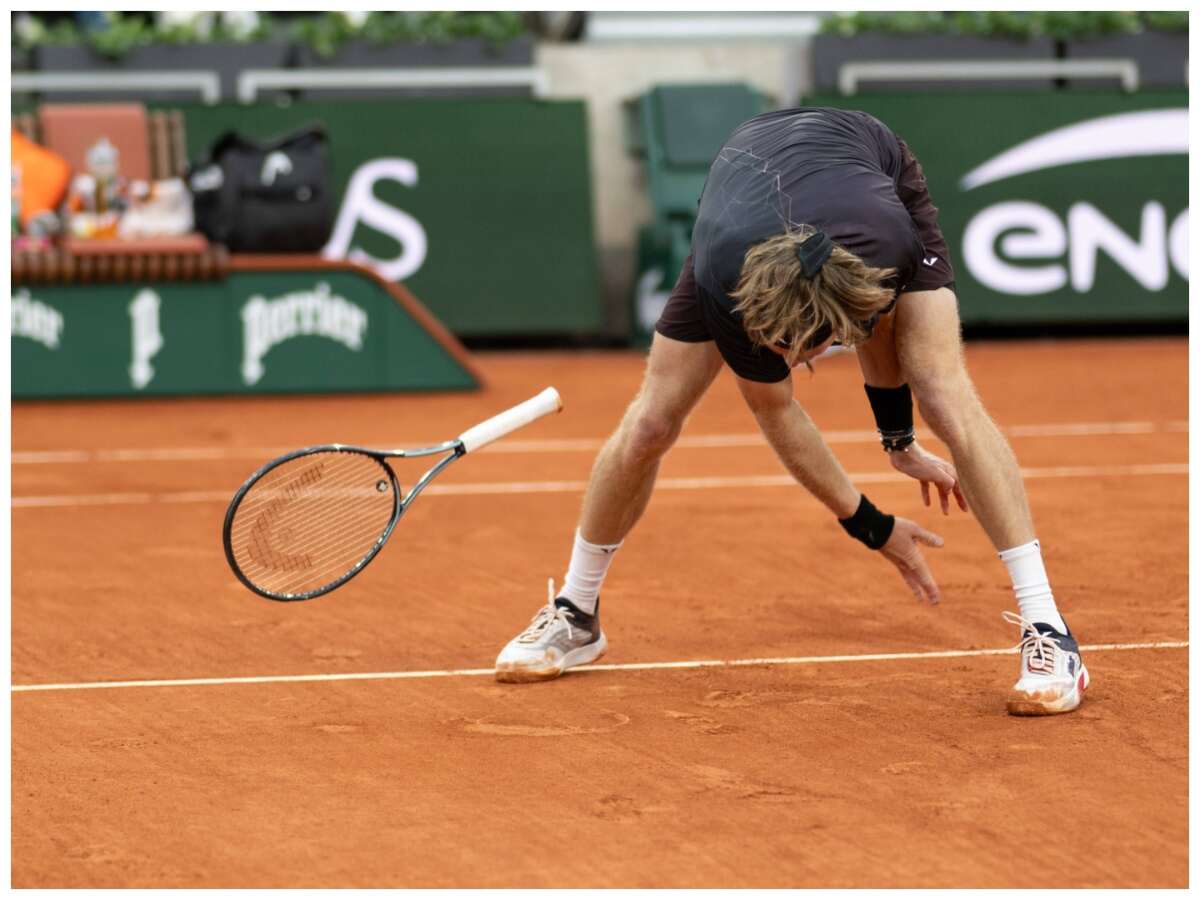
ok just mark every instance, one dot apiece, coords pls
pixel 44 177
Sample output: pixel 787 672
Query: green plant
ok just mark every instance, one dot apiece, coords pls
pixel 982 24
pixel 210 28
pixel 1061 26
pixel 29 32
pixel 1065 26
pixel 1166 21
pixel 851 24
pixel 325 33
pixel 125 33
pixel 122 35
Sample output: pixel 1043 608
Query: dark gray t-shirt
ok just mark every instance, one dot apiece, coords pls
pixel 834 169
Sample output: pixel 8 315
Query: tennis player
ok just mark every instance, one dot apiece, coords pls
pixel 816 227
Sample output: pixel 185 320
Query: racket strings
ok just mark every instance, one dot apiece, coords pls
pixel 311 521
pixel 313 531
pixel 321 561
pixel 302 545
pixel 287 550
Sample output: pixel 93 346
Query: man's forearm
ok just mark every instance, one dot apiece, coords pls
pixel 805 454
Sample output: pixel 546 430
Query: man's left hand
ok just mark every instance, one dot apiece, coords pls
pixel 917 462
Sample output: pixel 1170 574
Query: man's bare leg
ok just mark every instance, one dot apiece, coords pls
pixel 566 632
pixel 929 347
pixel 877 357
pixel 677 375
pixel 880 367
pixel 1052 677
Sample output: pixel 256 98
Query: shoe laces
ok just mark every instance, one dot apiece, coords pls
pixel 1038 651
pixel 546 616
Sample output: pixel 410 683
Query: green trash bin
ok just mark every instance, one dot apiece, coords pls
pixel 662 249
pixel 678 129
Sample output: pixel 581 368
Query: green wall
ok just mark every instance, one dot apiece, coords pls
pixel 1101 238
pixel 500 189
pixel 255 332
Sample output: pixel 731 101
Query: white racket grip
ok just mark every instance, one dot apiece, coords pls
pixel 519 416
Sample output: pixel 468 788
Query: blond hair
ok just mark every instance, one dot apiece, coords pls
pixel 780 306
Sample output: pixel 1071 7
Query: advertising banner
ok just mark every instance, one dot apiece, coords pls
pixel 481 206
pixel 1061 206
pixel 322 329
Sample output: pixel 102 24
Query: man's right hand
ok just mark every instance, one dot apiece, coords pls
pixel 901 549
pixel 928 468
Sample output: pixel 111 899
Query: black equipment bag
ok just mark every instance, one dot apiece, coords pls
pixel 265 197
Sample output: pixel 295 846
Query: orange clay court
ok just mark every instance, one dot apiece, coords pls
pixel 824 767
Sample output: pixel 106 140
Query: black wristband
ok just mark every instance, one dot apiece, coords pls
pixel 869 525
pixel 892 408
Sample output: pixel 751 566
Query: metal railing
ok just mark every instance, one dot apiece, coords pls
pixel 251 81
pixel 851 73
pixel 205 83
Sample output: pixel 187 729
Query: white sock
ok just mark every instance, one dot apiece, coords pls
pixel 589 565
pixel 1030 584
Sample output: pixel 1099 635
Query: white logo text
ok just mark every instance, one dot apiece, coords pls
pixel 1025 231
pixel 147 338
pixel 268 323
pixel 36 320
pixel 361 205
pixel 276 163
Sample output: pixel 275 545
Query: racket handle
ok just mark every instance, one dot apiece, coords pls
pixel 519 416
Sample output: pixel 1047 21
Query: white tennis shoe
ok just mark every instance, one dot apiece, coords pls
pixel 1053 676
pixel 560 637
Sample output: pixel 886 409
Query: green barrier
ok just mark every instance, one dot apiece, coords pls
pixel 327 327
pixel 662 249
pixel 1057 207
pixel 678 128
pixel 482 207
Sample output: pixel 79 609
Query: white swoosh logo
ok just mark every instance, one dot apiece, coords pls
pixel 1151 132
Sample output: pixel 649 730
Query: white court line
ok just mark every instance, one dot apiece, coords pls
pixel 615 667
pixel 481 488
pixel 750 439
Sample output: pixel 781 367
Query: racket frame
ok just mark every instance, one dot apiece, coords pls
pixel 400 502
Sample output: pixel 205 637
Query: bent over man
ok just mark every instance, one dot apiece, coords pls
pixel 816 227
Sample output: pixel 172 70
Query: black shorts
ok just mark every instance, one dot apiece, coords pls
pixel 682 318
pixel 914 194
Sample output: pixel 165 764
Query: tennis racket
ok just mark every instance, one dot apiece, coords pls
pixel 311 520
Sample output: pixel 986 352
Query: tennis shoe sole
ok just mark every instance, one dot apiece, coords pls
pixel 524 673
pixel 1051 702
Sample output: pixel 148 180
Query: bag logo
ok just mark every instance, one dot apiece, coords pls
pixel 276 164
pixel 36 320
pixel 267 323
pixel 210 178
pixel 147 337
